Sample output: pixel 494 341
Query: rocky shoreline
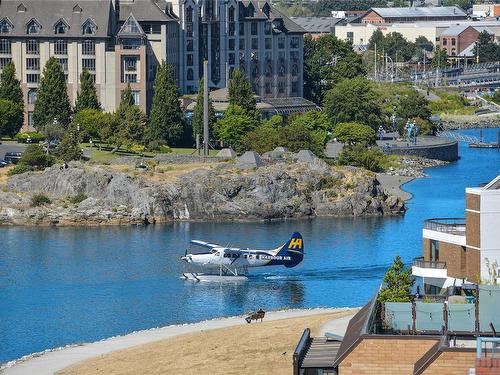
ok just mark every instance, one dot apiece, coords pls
pixel 413 166
pixel 219 191
pixel 470 122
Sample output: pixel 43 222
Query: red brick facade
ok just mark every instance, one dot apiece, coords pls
pixel 455 44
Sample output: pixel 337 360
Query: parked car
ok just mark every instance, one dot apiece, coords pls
pixel 3 163
pixel 12 157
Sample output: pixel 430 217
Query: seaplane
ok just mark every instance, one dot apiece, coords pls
pixel 221 263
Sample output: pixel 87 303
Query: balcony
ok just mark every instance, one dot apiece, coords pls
pixel 429 268
pixel 454 226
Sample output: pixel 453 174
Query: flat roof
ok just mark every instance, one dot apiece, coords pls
pixel 409 12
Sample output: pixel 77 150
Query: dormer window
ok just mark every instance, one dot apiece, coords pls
pixel 33 27
pixel 77 9
pixel 266 9
pixel 61 27
pixel 5 26
pixel 250 10
pixel 21 8
pixel 89 28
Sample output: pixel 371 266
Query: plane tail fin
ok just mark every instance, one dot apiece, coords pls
pixel 293 248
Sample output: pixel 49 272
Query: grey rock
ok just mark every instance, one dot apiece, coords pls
pixel 226 153
pixel 249 159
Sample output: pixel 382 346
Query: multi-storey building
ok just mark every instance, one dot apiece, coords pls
pixel 118 43
pixel 123 41
pixel 251 36
pixel 458 251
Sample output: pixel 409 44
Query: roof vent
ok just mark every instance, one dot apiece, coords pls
pixel 21 8
pixel 77 9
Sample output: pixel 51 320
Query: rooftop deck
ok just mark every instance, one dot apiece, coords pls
pixel 454 226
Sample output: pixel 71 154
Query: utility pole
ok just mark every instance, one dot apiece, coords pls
pixel 205 109
pixel 375 61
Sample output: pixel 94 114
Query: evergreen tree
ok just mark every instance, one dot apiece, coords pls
pixel 198 113
pixel 52 98
pixel 240 92
pixel 87 97
pixel 397 283
pixel 167 118
pixel 69 148
pixel 10 86
pixel 440 59
pixel 486 50
pixel 126 100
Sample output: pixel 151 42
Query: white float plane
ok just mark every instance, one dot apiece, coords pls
pixel 230 264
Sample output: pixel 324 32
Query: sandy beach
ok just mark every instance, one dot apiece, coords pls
pixel 225 346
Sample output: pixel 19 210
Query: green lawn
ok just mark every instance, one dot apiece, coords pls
pixel 190 151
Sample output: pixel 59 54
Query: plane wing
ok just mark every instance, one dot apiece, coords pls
pixel 204 244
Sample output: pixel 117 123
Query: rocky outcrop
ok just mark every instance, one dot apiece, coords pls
pixel 221 192
pixel 453 122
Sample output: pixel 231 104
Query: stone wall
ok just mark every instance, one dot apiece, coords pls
pixel 445 151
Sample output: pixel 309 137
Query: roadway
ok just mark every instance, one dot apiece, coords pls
pixel 10 146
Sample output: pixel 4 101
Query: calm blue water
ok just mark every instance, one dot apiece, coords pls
pixel 67 285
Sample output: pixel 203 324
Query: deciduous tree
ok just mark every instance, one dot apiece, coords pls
pixel 485 49
pixel 234 125
pixel 440 59
pixel 352 133
pixel 354 100
pixel 11 118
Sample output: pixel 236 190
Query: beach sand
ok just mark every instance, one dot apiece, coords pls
pixel 393 185
pixel 219 346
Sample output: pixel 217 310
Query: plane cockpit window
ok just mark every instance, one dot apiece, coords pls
pixel 217 254
pixel 226 255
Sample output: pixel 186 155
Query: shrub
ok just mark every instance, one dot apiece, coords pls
pixel 39 200
pixel 18 169
pixel 360 156
pixel 34 136
pixel 77 198
pixel 35 156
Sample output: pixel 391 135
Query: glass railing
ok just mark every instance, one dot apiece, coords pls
pixel 420 262
pixel 446 225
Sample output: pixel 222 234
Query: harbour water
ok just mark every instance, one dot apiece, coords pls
pixel 60 286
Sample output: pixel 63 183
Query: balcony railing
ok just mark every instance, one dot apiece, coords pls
pixel 446 225
pixel 420 262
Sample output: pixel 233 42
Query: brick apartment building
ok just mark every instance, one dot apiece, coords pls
pixel 411 15
pixel 456 39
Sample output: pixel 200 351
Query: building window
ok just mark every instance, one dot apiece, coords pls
pixel 64 65
pixel 88 47
pixel 88 28
pixel 255 43
pixel 5 47
pixel 281 87
pixel 32 96
pixel 434 250
pixel 33 27
pixel 4 61
pixel 189 30
pixel 60 28
pixel 189 45
pixel 33 63
pixel 231 29
pixel 350 36
pixel 268 87
pixel 295 70
pixel 445 41
pixel 137 96
pixel 151 29
pixel 232 43
pixel 61 47
pixel 242 44
pixel 33 47
pixel 88 64
pixel 295 87
pixel 453 41
pixel 294 42
pixel 281 43
pixel 189 14
pixel 31 123
pixel 231 14
pixel 267 28
pixel 281 71
pixel 268 43
pixel 5 26
pixel 189 75
pixel 129 69
pixel 253 27
pixel 32 78
pixel 242 28
pixel 294 55
pixel 189 59
pixel 231 59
